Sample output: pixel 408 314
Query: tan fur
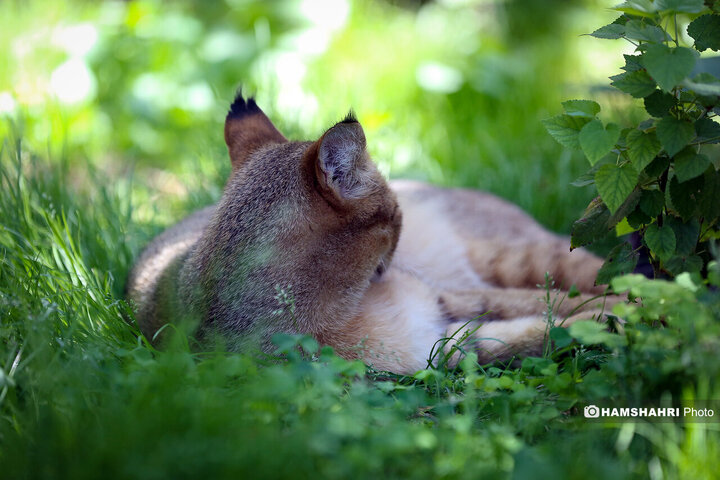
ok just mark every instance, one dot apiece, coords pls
pixel 316 221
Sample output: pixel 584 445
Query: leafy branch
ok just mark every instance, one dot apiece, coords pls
pixel 659 177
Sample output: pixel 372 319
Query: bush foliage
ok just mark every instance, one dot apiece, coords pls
pixel 82 392
pixel 659 177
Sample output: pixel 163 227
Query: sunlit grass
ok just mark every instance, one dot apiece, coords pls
pixel 85 184
pixel 82 391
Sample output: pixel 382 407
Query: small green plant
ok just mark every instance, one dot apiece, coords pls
pixel 80 390
pixel 659 177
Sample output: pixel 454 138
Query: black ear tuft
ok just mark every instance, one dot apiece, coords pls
pixel 240 107
pixel 349 118
pixel 247 128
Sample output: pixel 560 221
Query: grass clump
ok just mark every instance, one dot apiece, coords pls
pixel 82 394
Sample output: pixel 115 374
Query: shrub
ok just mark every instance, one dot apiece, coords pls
pixel 660 177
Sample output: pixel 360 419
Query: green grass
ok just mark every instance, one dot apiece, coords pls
pixel 83 187
pixel 81 392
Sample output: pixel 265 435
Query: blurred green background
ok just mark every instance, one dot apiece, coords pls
pixel 111 115
pixel 449 91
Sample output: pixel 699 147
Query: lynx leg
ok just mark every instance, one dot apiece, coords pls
pixel 401 318
pixel 507 303
pixel 516 323
pixel 501 340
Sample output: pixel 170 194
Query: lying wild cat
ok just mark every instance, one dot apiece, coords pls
pixel 377 270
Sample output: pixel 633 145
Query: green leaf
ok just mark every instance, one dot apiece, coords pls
pixel 623 227
pixel 707 130
pixel 284 342
pixel 610 32
pixel 659 103
pixel 674 134
pixel 642 148
pixel 620 261
pixel 646 124
pixel 657 167
pixel 668 66
pixel 629 283
pixel 714 273
pixel 588 332
pixel 706 77
pixel 685 196
pixel 705 30
pixel 591 226
pixel 632 63
pixel 627 206
pixel 560 336
pixel 596 141
pixel 680 6
pixel 565 129
pixel 660 240
pixel 638 218
pixel 588 178
pixel 652 202
pixel 678 264
pixel 686 234
pixel 642 8
pixel 638 30
pixel 689 164
pixel 615 183
pixel 581 108
pixel 636 83
pixel 309 344
pixel 709 204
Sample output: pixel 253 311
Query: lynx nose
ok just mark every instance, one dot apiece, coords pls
pixel 380 269
pixel 378 272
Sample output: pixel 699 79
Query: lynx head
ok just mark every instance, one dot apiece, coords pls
pixel 314 217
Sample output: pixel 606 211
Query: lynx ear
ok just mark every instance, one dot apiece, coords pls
pixel 343 165
pixel 247 129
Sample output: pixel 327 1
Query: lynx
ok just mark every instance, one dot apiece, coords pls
pixel 378 270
